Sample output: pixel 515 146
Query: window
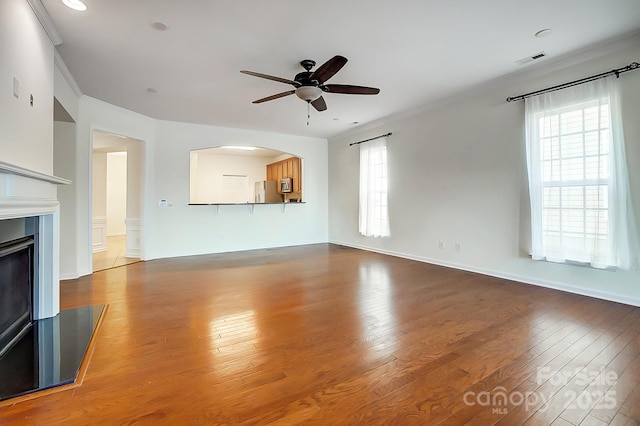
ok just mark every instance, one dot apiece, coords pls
pixel 580 207
pixel 374 211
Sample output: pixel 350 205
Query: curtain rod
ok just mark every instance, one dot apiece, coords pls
pixel 371 139
pixel 616 72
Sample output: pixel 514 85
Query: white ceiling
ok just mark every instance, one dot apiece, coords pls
pixel 415 51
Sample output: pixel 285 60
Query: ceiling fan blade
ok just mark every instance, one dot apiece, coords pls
pixel 328 69
pixel 350 90
pixel 270 77
pixel 319 104
pixel 276 96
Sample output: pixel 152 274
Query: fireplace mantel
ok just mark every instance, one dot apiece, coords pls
pixel 11 169
pixel 27 193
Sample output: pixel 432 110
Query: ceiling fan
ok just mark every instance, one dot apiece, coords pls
pixel 310 85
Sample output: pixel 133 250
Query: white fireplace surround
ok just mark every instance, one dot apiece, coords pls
pixel 26 193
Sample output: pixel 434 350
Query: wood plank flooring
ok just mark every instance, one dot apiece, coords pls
pixel 328 335
pixel 114 256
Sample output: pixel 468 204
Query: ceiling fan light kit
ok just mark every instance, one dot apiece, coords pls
pixel 309 85
pixel 308 93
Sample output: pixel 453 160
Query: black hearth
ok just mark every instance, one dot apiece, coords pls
pixel 36 354
pixel 50 354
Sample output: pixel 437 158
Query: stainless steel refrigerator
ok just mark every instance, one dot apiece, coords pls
pixel 267 192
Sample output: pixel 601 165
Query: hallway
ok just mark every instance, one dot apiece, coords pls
pixel 114 256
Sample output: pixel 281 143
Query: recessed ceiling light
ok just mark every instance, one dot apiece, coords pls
pixel 543 33
pixel 75 5
pixel 242 148
pixel 160 26
pixel 355 122
pixel 152 90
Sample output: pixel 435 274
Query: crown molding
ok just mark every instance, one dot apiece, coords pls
pixel 46 22
pixel 62 67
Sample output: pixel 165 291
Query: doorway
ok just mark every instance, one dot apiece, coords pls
pixel 116 200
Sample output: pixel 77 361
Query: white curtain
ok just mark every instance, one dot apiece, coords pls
pixel 374 212
pixel 578 181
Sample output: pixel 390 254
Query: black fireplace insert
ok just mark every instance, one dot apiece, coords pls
pixel 16 290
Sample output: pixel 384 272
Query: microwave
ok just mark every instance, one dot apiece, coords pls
pixel 286 185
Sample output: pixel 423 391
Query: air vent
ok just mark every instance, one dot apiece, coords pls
pixel 531 58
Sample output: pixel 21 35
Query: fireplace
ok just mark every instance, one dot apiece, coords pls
pixel 36 353
pixel 41 347
pixel 16 289
pixel 29 198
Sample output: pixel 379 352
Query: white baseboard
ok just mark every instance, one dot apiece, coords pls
pixel 65 277
pixel 633 301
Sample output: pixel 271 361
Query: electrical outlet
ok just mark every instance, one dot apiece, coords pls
pixel 441 245
pixel 457 247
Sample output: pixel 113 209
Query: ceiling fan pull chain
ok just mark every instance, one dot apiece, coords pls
pixel 308 113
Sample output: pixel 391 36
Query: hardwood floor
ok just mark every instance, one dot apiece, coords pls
pixel 114 256
pixel 328 335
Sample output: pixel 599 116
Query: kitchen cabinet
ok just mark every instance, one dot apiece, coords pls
pixel 296 175
pixel 279 172
pixel 271 173
pixel 287 168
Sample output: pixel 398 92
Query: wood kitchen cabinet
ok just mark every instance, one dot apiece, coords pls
pixel 287 168
pixel 271 173
pixel 296 174
pixel 279 171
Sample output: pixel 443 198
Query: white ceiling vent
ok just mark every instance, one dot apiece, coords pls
pixel 531 58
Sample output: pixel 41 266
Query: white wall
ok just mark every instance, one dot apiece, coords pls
pixel 26 132
pixel 457 174
pixel 99 184
pixel 116 181
pixel 134 178
pixel 65 166
pixel 66 92
pixel 182 229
